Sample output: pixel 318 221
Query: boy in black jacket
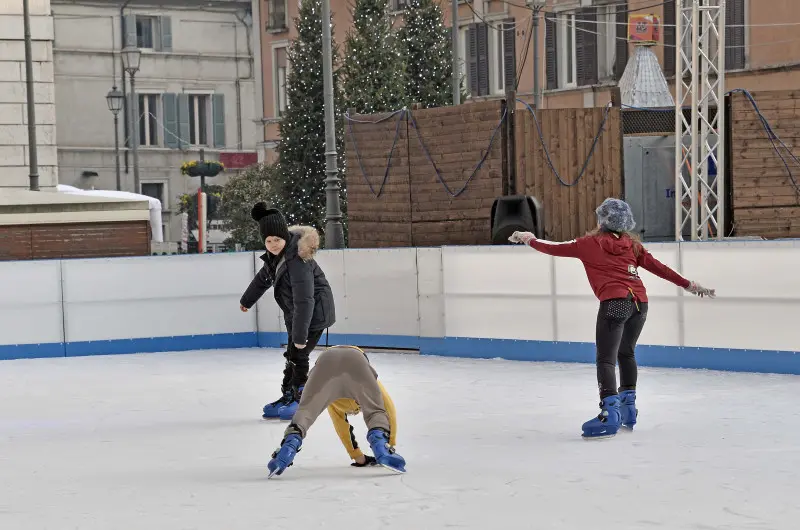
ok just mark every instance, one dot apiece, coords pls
pixel 301 291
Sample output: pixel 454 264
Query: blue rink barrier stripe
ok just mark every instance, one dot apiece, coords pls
pixel 724 359
pixel 736 360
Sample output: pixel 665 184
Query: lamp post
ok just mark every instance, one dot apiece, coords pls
pixel 537 6
pixel 33 157
pixel 131 55
pixel 334 232
pixel 115 98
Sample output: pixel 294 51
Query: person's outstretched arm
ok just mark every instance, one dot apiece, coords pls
pixel 649 263
pixel 344 430
pixel 566 249
pixel 258 286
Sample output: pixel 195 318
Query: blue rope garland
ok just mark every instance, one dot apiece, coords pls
pixel 474 171
pixel 403 113
pixel 350 122
pixel 547 152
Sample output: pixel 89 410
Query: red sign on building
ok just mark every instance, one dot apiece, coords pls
pixel 238 160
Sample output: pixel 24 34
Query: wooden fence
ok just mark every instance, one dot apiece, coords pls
pixel 412 178
pixel 765 194
pixel 588 175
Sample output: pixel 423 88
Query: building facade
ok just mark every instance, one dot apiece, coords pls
pixel 582 48
pixel 196 90
pixel 14 151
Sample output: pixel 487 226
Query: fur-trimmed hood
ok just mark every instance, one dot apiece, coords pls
pixel 307 241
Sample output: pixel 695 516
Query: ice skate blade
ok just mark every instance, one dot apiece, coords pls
pixel 398 471
pixel 626 428
pixel 599 437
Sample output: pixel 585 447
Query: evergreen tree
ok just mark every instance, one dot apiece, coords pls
pixel 300 182
pixel 426 43
pixel 374 79
pixel 239 194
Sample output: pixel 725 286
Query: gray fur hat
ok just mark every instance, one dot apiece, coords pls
pixel 615 215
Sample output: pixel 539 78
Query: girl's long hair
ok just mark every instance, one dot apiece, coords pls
pixel 637 242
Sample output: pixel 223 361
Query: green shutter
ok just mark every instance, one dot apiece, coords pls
pixel 218 111
pixel 171 129
pixel 183 119
pixel 130 31
pixel 166 34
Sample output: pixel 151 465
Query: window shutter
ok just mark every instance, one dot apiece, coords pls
pixel 218 112
pixel 472 58
pixel 183 119
pixel 586 47
pixel 510 54
pixel 734 35
pixel 621 60
pixel 483 59
pixel 551 52
pixel 171 132
pixel 670 39
pixel 130 31
pixel 166 34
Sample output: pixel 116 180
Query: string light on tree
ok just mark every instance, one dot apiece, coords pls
pixel 374 79
pixel 425 42
pixel 300 179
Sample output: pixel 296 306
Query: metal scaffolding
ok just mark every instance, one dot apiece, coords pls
pixel 700 139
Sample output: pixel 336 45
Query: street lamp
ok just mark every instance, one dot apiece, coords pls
pixel 131 55
pixel 115 98
pixel 537 6
pixel 334 231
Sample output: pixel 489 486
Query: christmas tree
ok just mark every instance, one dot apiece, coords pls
pixel 426 43
pixel 374 79
pixel 300 180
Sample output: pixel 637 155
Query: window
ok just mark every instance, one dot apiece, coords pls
pixel 279 79
pixel 198 119
pixel 276 10
pixel 606 42
pixel 567 44
pixel 489 54
pixel 148 119
pixel 148 32
pixel 156 191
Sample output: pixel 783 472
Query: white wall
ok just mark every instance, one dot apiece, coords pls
pixel 507 294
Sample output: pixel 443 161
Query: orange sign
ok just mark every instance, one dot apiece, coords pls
pixel 644 29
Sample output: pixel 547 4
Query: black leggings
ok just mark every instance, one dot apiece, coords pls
pixel 295 373
pixel 619 324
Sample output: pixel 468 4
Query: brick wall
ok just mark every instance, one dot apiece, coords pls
pixel 413 207
pixel 77 240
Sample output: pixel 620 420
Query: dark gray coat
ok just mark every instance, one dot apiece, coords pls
pixel 301 289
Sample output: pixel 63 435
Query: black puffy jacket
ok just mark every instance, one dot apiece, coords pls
pixel 301 289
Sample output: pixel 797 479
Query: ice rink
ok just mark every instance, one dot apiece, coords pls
pixel 176 441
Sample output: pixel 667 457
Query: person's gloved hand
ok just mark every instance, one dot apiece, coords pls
pixel 521 237
pixel 698 290
pixel 368 461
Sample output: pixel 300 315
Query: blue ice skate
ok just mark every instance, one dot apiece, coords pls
pixel 627 409
pixel 272 410
pixel 607 423
pixel 284 456
pixel 286 413
pixel 384 453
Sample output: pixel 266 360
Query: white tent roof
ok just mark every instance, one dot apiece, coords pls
pixel 643 84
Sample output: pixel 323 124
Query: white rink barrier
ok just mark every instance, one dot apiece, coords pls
pixel 507 302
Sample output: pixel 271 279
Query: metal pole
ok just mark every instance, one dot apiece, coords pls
pixel 33 155
pixel 135 133
pixel 536 92
pixel 334 232
pixel 456 69
pixel 116 150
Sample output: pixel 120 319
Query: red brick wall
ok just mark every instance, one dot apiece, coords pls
pixel 414 208
pixel 77 240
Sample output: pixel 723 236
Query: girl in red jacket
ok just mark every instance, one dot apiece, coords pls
pixel 611 256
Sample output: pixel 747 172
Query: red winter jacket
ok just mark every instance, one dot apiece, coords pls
pixel 611 264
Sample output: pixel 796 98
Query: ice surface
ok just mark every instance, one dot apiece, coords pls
pixel 175 441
